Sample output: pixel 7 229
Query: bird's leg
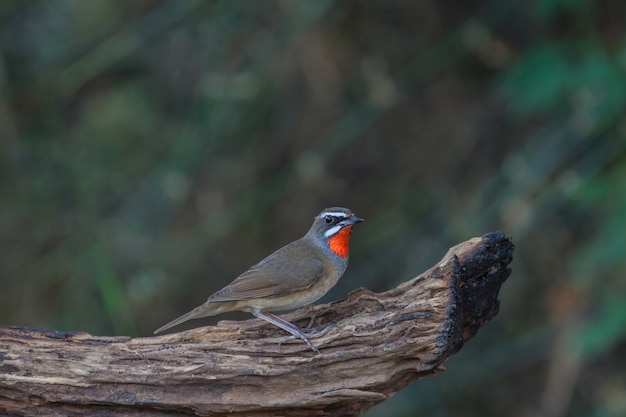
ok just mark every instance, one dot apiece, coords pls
pixel 285 325
pixel 307 334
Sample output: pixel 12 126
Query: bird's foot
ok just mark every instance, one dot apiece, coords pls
pixel 295 331
pixel 305 337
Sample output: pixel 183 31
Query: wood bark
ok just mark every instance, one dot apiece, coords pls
pixel 371 346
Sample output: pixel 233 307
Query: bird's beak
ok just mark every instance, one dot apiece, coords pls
pixel 355 220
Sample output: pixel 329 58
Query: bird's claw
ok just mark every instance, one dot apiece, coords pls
pixel 305 337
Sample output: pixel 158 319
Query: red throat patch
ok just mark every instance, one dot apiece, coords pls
pixel 338 242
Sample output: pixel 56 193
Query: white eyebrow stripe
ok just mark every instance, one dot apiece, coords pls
pixel 335 214
pixel 332 231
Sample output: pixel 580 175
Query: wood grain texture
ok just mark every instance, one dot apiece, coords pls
pixel 372 345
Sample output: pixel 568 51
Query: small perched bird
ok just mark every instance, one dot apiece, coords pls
pixel 295 275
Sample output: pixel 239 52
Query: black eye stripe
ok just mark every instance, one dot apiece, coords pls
pixel 335 216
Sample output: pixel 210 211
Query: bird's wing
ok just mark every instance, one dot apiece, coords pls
pixel 274 276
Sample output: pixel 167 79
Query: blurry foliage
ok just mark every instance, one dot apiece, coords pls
pixel 550 9
pixel 599 268
pixel 580 76
pixel 151 150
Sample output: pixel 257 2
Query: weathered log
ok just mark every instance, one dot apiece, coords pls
pixel 371 346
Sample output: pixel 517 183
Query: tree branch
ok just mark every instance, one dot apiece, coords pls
pixel 372 346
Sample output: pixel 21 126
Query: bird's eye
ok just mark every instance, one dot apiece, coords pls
pixel 328 219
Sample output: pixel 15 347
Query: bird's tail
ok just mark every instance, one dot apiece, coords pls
pixel 206 309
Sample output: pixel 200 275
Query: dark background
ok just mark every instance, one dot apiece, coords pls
pixel 150 151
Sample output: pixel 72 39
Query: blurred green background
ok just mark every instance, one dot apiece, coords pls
pixel 150 151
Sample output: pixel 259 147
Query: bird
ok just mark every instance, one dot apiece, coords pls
pixel 294 276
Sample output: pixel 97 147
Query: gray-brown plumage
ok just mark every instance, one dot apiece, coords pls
pixel 295 275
